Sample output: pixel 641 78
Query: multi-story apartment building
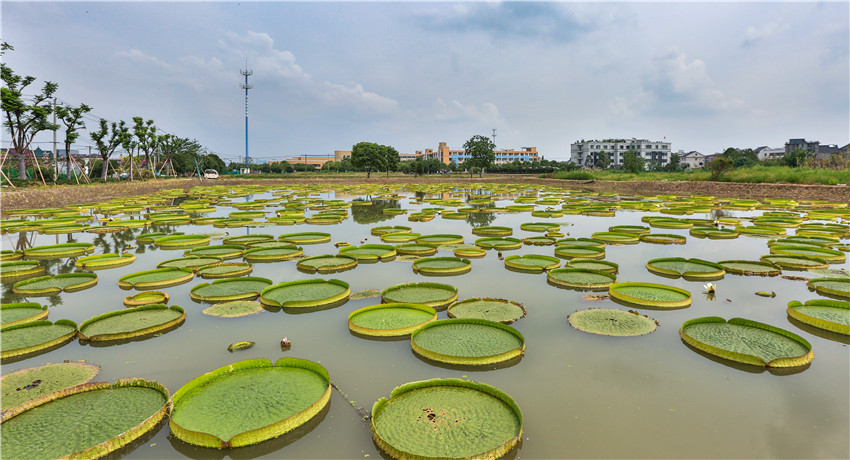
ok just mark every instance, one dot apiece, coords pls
pixel 447 155
pixel 691 160
pixel 585 153
pixel 809 147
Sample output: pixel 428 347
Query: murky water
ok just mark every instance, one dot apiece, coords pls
pixel 582 395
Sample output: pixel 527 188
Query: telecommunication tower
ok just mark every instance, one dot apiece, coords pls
pixel 494 137
pixel 247 73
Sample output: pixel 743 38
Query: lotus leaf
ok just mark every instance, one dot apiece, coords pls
pixel 416 249
pixel 52 285
pixel 539 241
pixel 390 319
pixel 688 268
pixel 792 262
pixel 102 261
pixel 442 266
pixel 596 265
pixel 539 226
pixel 401 237
pixel 650 295
pixel 305 238
pixel 21 312
pixel 470 252
pixel 581 242
pixel 500 310
pixel 494 230
pixel 467 341
pixel 190 262
pixel 439 239
pixel 838 287
pixel 280 252
pixel 747 342
pixel 222 251
pixel 663 238
pixel 434 295
pixel 20 269
pixel 372 251
pixel 181 241
pixel 581 278
pixel 34 336
pixel 636 229
pixel 501 244
pixel 830 255
pixel 157 278
pixel 141 321
pixel 248 402
pixel 750 267
pixel 714 233
pixel 307 293
pixel 831 272
pixel 579 252
pixel 58 251
pixel 327 263
pixel 532 263
pixel 105 418
pixel 145 298
pixel 223 290
pixel 378 231
pixel 225 270
pixel 234 309
pixel 617 237
pixel 618 323
pixel 28 384
pixel 830 315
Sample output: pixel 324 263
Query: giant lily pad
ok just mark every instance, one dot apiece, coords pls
pixel 618 323
pixel 390 319
pixel 35 336
pixel 596 265
pixel 446 418
pixel 688 268
pixel 224 290
pixel 500 310
pixel 434 295
pixel 102 261
pixel 105 418
pixel 327 263
pixel 181 241
pixel 650 295
pixel 52 285
pixel 617 237
pixel 154 279
pixel 147 238
pixel 245 240
pixel 750 267
pixel 416 249
pixel 305 238
pixel 747 342
pixel 222 251
pixel 837 287
pixel 439 239
pixel 28 384
pixel 535 263
pixel 234 309
pixel 145 298
pixel 795 262
pixel 309 293
pixel 225 270
pixel 581 278
pixel 21 312
pixel 830 255
pixel 20 269
pixel 663 238
pixel 401 237
pixel 58 251
pixel 131 323
pixel 493 231
pixel 190 262
pixel 830 315
pixel 371 252
pixel 579 252
pixel 467 341
pixel 500 244
pixel 540 227
pixel 442 266
pixel 279 252
pixel 248 402
pixel 378 231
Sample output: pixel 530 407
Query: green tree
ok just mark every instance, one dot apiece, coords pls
pixel 107 139
pixel 146 139
pixel 368 156
pixel 391 159
pixel 719 166
pixel 603 160
pixel 480 151
pixel 675 163
pixel 72 118
pixel 632 162
pixel 795 158
pixel 213 161
pixel 24 120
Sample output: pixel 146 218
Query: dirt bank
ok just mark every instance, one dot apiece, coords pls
pixel 63 195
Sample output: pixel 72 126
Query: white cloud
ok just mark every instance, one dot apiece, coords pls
pixel 688 81
pixel 454 110
pixel 757 33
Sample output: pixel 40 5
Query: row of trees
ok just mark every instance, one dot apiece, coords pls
pixel 25 119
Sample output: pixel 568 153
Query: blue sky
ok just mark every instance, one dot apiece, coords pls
pixel 328 75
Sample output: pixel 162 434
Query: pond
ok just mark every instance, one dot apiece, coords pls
pixel 582 395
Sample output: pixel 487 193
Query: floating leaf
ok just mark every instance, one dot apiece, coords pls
pixel 20 269
pixel 434 295
pixel 52 285
pixel 309 293
pixel 500 310
pixel 830 315
pixel 618 323
pixel 131 323
pixel 21 312
pixel 35 336
pixel 234 309
pixel 650 295
pixel 157 278
pixel 390 319
pixel 146 298
pixel 467 341
pixel 244 288
pixel 442 266
pixel 244 345
pixel 28 384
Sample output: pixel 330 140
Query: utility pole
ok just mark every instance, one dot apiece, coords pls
pixel 247 73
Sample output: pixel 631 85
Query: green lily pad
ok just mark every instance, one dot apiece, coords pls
pixel 28 384
pixel 102 261
pixel 35 336
pixel 434 295
pixel 20 269
pixel 441 266
pixel 277 253
pixel 7 255
pixel 248 402
pixel 245 240
pixel 539 241
pixel 21 312
pixel 309 293
pixel 401 237
pixel 147 238
pixel 59 251
pixel 225 270
pixel 473 252
pixel 579 252
pixel 747 342
pixel 650 295
pixel 750 267
pixel 493 230
pixel 595 265
pixel 616 237
pixel 837 287
pixel 367 252
pixel 390 319
pixel 439 239
pixel 305 238
pixel 234 309
pixel 500 244
pixel 713 233
pixel 831 272
pixel 591 242
pixel 157 278
pixel 446 418
pixel 222 251
pixel 378 231
pixel 663 238
pixel 416 249
pixel 327 263
pixel 190 262
pixel 499 310
pixel 541 227
pixel 535 263
pixel 687 268
pixel 106 417
pixel 223 290
pixel 131 323
pixel 830 255
pixel 617 323
pixel 795 262
pixel 145 298
pixel 830 315
pixel 52 285
pixel 580 278
pixel 467 341
pixel 365 294
pixel 181 241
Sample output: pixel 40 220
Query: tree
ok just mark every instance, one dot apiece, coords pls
pixel 213 161
pixel 391 159
pixel 108 139
pixel 603 160
pixel 72 118
pixel 24 120
pixel 368 156
pixel 796 158
pixel 129 144
pixel 479 149
pixel 632 162
pixel 147 139
pixel 675 163
pixel 719 166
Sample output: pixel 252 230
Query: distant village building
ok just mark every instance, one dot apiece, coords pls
pixel 585 153
pixel 446 155
pixel 794 144
pixel 691 160
pixel 766 153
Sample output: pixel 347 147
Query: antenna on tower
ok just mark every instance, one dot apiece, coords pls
pixel 247 73
pixel 494 137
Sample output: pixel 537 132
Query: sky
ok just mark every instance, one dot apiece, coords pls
pixel 702 76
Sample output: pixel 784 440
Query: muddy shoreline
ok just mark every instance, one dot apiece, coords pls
pixel 63 195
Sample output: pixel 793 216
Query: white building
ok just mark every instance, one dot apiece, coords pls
pixel 691 160
pixel 767 153
pixel 585 153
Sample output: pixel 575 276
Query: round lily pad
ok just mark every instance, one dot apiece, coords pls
pixel 442 266
pixel 416 249
pixel 617 323
pixel 248 402
pixel 9 255
pixel 105 418
pixel 35 336
pixel 440 239
pixel 591 242
pixel 28 384
pixel 21 312
pixel 539 241
pixel 281 251
pixel 446 418
pixel 492 231
pixel 222 251
pixel 378 231
pixel 181 241
pixel 795 262
pixel 223 290
pixel 370 252
pixel 305 238
pixel 102 261
pixel 747 342
pixel 650 295
pixel 234 309
pixel 750 267
pixel 663 238
pixel 327 263
pixel 390 319
pixel 617 237
pixel 714 233
pixel 635 229
pixel 401 237
pixel 245 240
pixel 830 315
pixel 687 268
pixel 467 341
pixel 190 262
pixel 20 269
pixel 309 293
pixel 836 287
pixel 579 252
pixel 500 244
pixel 541 227
pixel 596 265
pixel 225 270
pixel 500 310
pixel 58 251
pixel 535 263
pixel 131 323
pixel 146 298
pixel 52 285
pixel 830 255
pixel 154 279
pixel 434 295
pixel 473 252
pixel 581 278
pixel 147 238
